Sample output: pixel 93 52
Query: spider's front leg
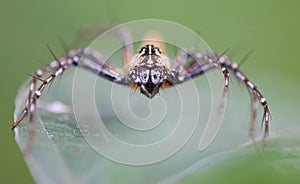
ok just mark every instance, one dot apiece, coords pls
pixel 93 61
pixel 204 62
pixel 90 60
pixel 255 96
pixel 57 68
pixel 84 58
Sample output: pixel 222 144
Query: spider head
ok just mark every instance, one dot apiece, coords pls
pixel 150 70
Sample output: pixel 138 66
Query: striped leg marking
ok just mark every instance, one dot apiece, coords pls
pixel 256 96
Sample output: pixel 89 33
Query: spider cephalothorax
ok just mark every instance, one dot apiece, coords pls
pixel 150 70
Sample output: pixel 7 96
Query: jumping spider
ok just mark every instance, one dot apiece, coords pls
pixel 148 70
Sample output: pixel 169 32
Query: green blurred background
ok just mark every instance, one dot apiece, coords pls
pixel 271 28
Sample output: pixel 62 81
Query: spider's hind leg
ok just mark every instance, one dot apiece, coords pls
pixel 127 47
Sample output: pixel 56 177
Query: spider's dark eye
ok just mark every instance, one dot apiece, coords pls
pixel 142 50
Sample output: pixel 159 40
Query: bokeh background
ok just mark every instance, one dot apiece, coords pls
pixel 270 28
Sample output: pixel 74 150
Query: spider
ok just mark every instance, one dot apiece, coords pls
pixel 149 70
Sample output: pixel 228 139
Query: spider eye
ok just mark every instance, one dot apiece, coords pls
pixel 155 76
pixel 144 76
pixel 142 50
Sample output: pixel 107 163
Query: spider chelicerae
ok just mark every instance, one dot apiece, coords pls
pixel 148 70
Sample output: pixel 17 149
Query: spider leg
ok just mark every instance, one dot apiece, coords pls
pixel 127 51
pixel 92 61
pixel 256 96
pixel 56 67
pixel 179 62
pixel 38 74
pixel 92 32
pixel 84 58
pixel 200 64
pixel 27 104
pixel 194 69
pixel 204 62
pixel 253 118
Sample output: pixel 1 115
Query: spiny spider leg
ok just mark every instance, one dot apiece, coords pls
pixel 201 63
pixel 39 73
pixel 204 62
pixel 27 104
pixel 256 94
pixel 93 61
pixel 56 67
pixel 101 68
pixel 84 58
pixel 194 69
